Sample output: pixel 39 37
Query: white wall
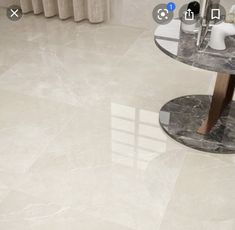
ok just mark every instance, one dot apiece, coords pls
pixel 6 3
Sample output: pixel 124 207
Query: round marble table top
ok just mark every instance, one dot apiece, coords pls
pixel 182 47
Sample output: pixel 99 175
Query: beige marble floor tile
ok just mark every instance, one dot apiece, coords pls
pixel 114 193
pixel 27 125
pixel 65 76
pixel 88 177
pixel 106 39
pixel 204 195
pixel 148 81
pixel 80 142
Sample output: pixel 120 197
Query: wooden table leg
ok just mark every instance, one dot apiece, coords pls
pixel 223 95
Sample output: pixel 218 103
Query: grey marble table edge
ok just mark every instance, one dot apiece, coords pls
pixel 216 68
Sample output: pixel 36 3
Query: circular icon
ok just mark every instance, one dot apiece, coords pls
pixel 188 14
pixel 216 13
pixel 171 6
pixel 162 15
pixel 14 13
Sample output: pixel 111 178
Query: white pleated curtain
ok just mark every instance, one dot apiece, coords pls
pixel 93 10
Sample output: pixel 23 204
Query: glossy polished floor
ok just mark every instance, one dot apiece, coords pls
pixel 80 142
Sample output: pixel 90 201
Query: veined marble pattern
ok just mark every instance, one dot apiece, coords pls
pixel 182 117
pixel 80 142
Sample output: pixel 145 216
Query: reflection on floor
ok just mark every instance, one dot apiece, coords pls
pixel 136 136
pixel 80 142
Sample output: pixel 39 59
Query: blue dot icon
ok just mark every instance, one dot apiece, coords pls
pixel 171 6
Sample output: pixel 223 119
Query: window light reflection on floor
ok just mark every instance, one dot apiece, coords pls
pixel 137 137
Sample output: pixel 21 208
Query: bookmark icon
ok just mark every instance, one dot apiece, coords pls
pixel 215 14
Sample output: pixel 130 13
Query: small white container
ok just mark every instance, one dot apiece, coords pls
pixel 190 29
